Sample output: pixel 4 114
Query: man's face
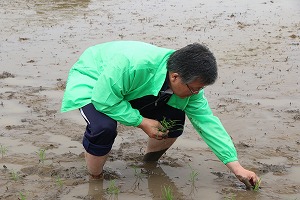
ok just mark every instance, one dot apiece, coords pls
pixel 184 90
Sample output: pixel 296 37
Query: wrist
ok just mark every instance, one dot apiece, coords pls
pixel 235 167
pixel 141 124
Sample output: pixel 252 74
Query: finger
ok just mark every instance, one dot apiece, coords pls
pixel 245 181
pixel 160 128
pixel 252 177
pixel 158 136
pixel 254 180
pixel 164 135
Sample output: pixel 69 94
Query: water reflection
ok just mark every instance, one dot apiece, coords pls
pixel 96 191
pixel 157 180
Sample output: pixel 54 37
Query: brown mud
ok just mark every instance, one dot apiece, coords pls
pixel 256 97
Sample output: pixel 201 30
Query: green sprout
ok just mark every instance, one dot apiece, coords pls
pixel 112 189
pixel 167 124
pixel 193 175
pixel 136 173
pixel 231 197
pixel 59 182
pixel 135 170
pixel 42 155
pixel 138 178
pixel 14 175
pixel 256 186
pixel 167 193
pixel 22 196
pixel 3 150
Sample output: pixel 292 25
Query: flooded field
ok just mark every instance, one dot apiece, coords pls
pixel 256 97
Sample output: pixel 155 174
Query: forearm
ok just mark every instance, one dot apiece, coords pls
pixel 235 167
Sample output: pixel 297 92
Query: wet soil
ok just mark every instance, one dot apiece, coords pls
pixel 256 97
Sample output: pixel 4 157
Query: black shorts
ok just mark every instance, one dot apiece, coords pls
pixel 101 130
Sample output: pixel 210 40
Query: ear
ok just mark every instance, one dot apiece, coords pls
pixel 173 76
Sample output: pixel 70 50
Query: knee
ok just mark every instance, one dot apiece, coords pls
pixel 103 133
pixel 106 127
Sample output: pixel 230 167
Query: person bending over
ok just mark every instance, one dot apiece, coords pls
pixel 139 84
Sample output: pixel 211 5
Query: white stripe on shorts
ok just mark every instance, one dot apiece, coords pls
pixel 83 115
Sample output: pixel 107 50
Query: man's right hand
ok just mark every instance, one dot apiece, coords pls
pixel 153 128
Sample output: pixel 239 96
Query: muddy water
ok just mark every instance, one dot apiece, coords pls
pixel 256 97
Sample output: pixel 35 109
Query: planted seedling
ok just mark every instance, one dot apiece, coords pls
pixel 256 186
pixel 248 185
pixel 59 182
pixel 42 155
pixel 167 193
pixel 138 178
pixel 193 175
pixel 137 174
pixel 14 175
pixel 112 189
pixel 192 178
pixel 231 197
pixel 135 170
pixel 22 196
pixel 3 150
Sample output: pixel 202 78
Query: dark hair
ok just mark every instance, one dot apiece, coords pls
pixel 194 62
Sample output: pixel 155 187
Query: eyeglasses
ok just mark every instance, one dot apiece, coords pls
pixel 194 91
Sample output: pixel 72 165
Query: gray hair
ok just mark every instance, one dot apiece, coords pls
pixel 194 62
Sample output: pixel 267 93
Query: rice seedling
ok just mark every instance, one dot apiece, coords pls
pixel 193 176
pixel 22 196
pixel 14 175
pixel 3 150
pixel 59 182
pixel 256 186
pixel 168 124
pixel 42 155
pixel 135 170
pixel 112 189
pixel 231 197
pixel 167 193
pixel 136 173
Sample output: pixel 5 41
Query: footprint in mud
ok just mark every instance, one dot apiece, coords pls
pixel 52 171
pixel 43 171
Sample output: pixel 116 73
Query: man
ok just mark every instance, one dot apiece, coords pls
pixel 139 84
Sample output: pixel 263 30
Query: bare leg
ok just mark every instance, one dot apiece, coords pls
pixel 95 164
pixel 156 148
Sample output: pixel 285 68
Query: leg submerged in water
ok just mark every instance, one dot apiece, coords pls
pixel 95 164
pixel 156 148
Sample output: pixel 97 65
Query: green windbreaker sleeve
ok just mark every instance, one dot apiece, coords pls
pixel 109 91
pixel 210 128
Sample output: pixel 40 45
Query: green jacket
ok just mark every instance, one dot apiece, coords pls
pixel 111 74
